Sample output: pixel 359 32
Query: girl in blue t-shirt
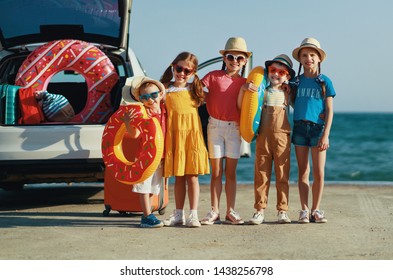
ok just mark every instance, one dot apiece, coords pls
pixel 313 116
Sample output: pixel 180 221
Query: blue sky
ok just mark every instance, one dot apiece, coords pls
pixel 356 36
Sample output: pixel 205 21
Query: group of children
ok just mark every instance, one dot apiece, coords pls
pixel 186 157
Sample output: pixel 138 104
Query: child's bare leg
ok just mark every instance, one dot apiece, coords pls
pixel 318 159
pixel 230 183
pixel 144 199
pixel 216 183
pixel 180 191
pixel 303 176
pixel 193 191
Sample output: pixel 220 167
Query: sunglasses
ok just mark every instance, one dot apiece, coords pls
pixel 147 96
pixel 186 71
pixel 238 58
pixel 280 72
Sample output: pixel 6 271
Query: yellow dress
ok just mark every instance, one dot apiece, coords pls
pixel 185 150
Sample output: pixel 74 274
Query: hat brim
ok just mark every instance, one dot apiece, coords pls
pixel 130 91
pixel 295 52
pixel 292 72
pixel 126 91
pixel 225 51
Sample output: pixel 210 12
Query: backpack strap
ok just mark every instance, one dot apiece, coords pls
pixel 322 82
pixel 294 86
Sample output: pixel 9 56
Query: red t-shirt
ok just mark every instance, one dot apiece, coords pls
pixel 221 100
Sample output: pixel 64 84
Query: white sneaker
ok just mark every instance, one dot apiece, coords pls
pixel 304 217
pixel 193 221
pixel 233 218
pixel 318 216
pixel 211 218
pixel 257 218
pixel 282 218
pixel 175 220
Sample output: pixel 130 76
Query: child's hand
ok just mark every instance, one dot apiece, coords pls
pixel 38 94
pixel 323 143
pixel 131 115
pixel 286 88
pixel 132 129
pixel 250 86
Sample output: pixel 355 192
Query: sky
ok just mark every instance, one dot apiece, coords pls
pixel 356 35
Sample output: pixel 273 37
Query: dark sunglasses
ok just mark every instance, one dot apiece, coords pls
pixel 238 58
pixel 147 96
pixel 186 71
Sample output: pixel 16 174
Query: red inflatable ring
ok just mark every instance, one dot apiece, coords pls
pixel 81 57
pixel 150 155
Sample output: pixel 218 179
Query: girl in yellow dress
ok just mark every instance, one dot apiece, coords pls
pixel 186 155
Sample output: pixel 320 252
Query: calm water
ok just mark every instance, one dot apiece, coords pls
pixel 361 150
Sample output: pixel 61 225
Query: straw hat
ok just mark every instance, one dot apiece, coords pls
pixel 133 85
pixel 284 60
pixel 236 44
pixel 309 43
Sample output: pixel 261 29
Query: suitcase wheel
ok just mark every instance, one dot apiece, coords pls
pixel 106 211
pixel 161 211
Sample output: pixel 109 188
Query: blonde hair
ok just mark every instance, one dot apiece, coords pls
pixel 196 86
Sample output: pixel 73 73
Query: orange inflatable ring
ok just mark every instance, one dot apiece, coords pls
pixel 146 163
pixel 81 57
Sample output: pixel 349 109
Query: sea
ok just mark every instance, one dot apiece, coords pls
pixel 361 152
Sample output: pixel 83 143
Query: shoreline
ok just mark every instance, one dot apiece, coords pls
pixel 292 183
pixel 327 183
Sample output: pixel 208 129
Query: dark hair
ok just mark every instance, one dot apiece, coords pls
pixel 196 86
pixel 300 68
pixel 224 66
pixel 300 65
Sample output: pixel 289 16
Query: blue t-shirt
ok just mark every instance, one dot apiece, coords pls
pixel 309 103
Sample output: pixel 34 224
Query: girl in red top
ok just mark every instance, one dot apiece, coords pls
pixel 223 128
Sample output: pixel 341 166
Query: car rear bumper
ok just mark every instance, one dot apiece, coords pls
pixel 51 171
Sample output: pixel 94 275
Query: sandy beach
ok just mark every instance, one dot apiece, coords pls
pixel 66 223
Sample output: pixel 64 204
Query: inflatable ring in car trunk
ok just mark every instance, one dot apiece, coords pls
pixel 81 57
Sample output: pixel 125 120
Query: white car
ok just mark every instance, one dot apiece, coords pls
pixel 59 152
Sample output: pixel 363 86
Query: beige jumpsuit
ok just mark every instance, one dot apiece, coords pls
pixel 272 146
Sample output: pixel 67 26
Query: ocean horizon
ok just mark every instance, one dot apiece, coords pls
pixel 360 153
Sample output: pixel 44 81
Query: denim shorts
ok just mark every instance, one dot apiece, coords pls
pixel 306 133
pixel 223 139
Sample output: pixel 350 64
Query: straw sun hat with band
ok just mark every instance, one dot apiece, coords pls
pixel 132 87
pixel 237 44
pixel 309 43
pixel 314 44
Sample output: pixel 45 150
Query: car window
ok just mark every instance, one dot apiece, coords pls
pixel 67 76
pixel 48 17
